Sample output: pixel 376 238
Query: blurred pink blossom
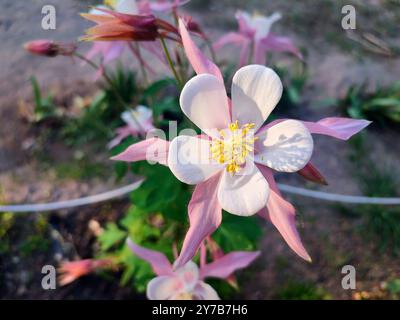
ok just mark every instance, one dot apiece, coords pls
pixel 186 282
pixel 138 122
pixel 255 39
pixel 72 270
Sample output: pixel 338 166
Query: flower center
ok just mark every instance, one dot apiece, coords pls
pixel 234 145
pixel 185 296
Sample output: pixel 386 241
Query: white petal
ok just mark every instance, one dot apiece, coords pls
pixel 144 112
pixel 204 101
pixel 255 92
pixel 127 6
pixel 98 12
pixel 189 274
pixel 163 288
pixel 286 147
pixel 131 119
pixel 189 159
pixel 245 16
pixel 262 25
pixel 243 195
pixel 204 291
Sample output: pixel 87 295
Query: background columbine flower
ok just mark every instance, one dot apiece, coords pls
pixel 186 282
pixel 161 5
pixel 138 122
pixel 255 39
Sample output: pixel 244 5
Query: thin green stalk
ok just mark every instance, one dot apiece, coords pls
pixel 170 63
pixel 210 47
pixel 141 61
pixel 251 52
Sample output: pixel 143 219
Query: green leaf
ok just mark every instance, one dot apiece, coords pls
pixel 169 104
pixel 157 86
pixel 111 236
pixel 393 286
pixel 238 233
pixel 158 190
pixel 36 92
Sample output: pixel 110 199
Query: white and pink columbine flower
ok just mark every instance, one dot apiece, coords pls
pixel 138 122
pixel 254 37
pixel 282 145
pixel 230 149
pixel 187 282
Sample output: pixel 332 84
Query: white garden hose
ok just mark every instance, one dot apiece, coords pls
pixel 116 193
pixel 338 197
pixel 51 206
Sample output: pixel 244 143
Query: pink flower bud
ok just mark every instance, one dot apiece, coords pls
pixel 49 48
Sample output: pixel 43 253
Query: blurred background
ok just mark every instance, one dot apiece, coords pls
pixel 50 152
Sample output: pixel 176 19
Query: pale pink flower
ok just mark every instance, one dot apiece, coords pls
pixel 254 37
pixel 138 122
pixel 164 6
pixel 283 145
pixel 187 282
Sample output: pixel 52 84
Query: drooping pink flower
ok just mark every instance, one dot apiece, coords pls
pixel 125 23
pixel 72 270
pixel 132 16
pixel 138 122
pixel 284 145
pixel 254 37
pixel 187 282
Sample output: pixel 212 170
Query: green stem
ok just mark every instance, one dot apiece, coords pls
pixel 170 63
pixel 210 47
pixel 141 61
pixel 251 52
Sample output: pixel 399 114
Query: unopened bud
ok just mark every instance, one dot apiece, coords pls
pixel 49 48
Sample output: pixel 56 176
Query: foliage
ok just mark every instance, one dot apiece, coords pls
pixel 102 116
pixel 294 82
pixel 382 106
pixel 44 106
pixel 295 290
pixel 382 223
pixel 393 286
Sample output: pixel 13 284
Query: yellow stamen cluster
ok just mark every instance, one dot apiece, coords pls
pixel 234 146
pixel 185 296
pixel 111 3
